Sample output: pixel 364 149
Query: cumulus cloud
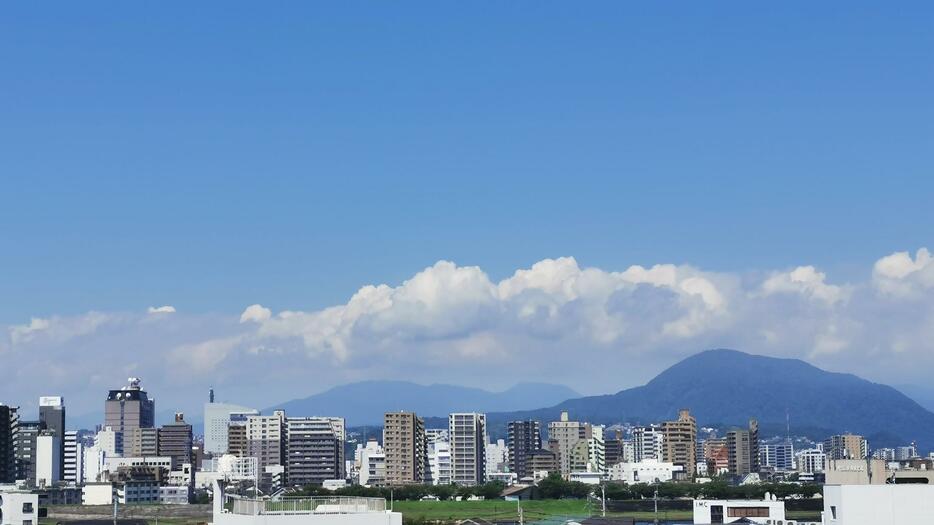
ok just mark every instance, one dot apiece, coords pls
pixel 595 329
pixel 900 275
pixel 255 313
pixel 167 309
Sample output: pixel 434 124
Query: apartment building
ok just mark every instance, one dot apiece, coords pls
pixel 314 450
pixel 9 428
pixel 648 443
pixel 237 442
pixel 175 440
pixel 522 439
pixel 141 442
pixel 405 446
pixel 846 446
pixel 467 431
pixel 680 441
pixel 218 417
pixel 74 459
pixel 266 442
pixel 563 437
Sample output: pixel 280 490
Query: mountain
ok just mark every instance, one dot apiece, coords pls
pixel 727 387
pixel 924 395
pixel 365 403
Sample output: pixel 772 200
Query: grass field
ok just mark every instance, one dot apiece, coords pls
pixel 491 509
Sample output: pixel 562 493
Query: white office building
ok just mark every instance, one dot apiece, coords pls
pixel 646 471
pixel 371 463
pixel 764 511
pixel 217 420
pixel 811 461
pixel 95 464
pixel 884 504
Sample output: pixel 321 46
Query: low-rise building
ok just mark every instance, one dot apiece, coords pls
pixel 18 507
pixel 890 504
pixel 646 471
pixel 767 510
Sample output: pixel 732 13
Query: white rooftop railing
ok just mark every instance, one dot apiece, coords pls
pixel 312 505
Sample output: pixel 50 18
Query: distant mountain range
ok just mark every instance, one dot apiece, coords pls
pixel 726 388
pixel 365 403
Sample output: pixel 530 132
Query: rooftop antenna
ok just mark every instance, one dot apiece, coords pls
pixel 211 395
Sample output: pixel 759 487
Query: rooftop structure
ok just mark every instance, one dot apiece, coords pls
pixel 235 510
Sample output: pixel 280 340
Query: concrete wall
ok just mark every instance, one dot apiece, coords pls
pixel 878 504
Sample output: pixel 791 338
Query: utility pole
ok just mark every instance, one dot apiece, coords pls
pixel 603 497
pixel 655 498
pixel 519 506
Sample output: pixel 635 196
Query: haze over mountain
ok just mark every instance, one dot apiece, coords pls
pixel 727 387
pixel 364 403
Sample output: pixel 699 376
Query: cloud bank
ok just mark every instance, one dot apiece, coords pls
pixel 594 329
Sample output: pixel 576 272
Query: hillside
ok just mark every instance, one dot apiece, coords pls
pixel 726 387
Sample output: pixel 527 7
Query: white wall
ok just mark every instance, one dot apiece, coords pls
pixel 48 460
pixel 97 494
pixel 878 504
pixel 11 506
pixel 702 508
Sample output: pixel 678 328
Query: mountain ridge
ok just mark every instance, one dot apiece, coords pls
pixel 727 387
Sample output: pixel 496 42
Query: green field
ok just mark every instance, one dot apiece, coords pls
pixel 490 509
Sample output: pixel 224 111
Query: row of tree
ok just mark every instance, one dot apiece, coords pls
pixel 556 487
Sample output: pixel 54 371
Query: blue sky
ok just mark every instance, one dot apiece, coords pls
pixel 224 153
pixel 216 155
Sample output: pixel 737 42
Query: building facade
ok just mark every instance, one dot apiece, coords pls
pixel 467 431
pixel 406 448
pixel 52 419
pixel 680 441
pixel 129 408
pixel 218 418
pixel 563 437
pixel 314 450
pixel 648 443
pixel 522 438
pixel 175 441
pixel 846 446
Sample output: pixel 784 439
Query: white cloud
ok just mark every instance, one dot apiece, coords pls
pixel 255 313
pixel 900 275
pixel 595 329
pixel 806 281
pixel 167 309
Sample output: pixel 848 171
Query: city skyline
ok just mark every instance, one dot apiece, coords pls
pixel 581 196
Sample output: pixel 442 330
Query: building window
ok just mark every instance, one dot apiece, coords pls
pixel 27 507
pixel 748 512
pixel 833 512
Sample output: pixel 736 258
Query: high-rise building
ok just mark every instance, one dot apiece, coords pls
pixel 563 437
pixel 522 438
pixel 25 450
pixel 467 431
pixel 175 441
pixel 648 443
pixel 754 445
pixel 315 450
pixel 266 442
pixel 217 419
pixel 9 428
pixel 613 447
pixel 596 450
pixel 52 418
pixel 778 456
pixel 129 408
pixel 680 440
pixel 48 458
pixel 237 442
pixel 74 458
pixel 811 461
pixel 739 452
pixel 141 442
pixel 405 446
pixel 543 461
pixel 846 446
